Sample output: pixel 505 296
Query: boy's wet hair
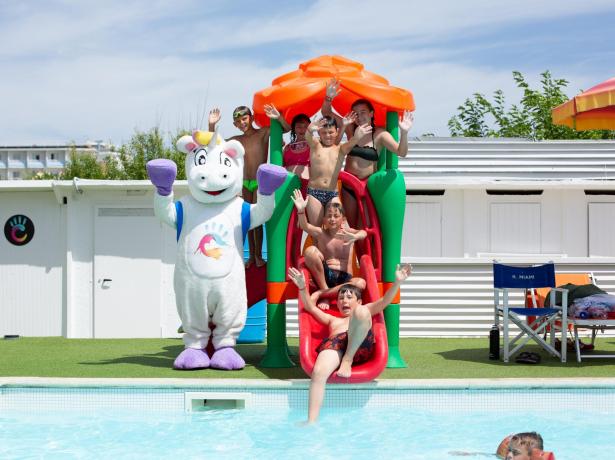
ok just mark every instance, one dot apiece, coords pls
pixel 329 122
pixel 297 119
pixel 241 111
pixel 350 288
pixel 334 205
pixel 528 440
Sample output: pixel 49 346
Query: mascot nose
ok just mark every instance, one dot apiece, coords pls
pixel 225 175
pixel 203 177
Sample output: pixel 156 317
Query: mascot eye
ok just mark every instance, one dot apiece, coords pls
pixel 227 162
pixel 200 157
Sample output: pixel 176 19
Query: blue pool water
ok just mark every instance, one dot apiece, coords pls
pixel 75 424
pixel 266 433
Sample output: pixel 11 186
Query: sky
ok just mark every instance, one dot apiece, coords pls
pixel 73 71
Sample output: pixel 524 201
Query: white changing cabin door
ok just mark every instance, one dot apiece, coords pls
pixel 127 273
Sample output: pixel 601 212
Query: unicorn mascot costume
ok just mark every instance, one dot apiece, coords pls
pixel 211 223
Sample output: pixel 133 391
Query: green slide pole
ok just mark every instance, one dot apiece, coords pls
pixel 275 143
pixel 276 353
pixel 393 128
pixel 388 191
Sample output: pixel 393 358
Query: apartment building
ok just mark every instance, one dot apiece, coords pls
pixel 22 162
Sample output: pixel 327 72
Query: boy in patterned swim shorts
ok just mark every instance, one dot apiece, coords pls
pixel 350 337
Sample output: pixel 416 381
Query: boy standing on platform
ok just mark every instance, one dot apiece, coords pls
pixel 255 142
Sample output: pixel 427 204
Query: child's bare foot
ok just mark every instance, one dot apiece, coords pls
pixel 259 261
pixel 305 423
pixel 345 369
pixel 249 262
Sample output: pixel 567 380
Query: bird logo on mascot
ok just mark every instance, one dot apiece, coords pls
pixel 211 223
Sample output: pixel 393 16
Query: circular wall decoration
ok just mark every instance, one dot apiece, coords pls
pixel 19 230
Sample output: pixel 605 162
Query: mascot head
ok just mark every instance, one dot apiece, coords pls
pixel 214 168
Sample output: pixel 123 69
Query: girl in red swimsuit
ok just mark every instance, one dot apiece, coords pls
pixel 296 155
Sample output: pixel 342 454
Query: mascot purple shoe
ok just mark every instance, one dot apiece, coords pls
pixel 211 224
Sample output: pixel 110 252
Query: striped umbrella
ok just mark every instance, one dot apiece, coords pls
pixel 592 109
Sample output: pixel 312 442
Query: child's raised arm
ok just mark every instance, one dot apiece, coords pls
pixel 402 272
pixel 399 148
pixel 361 131
pixel 297 277
pixel 214 118
pixel 331 91
pixel 350 235
pixel 311 129
pixel 274 114
pixel 301 204
pixel 346 122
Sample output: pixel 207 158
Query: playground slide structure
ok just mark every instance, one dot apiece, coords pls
pixel 381 204
pixel 311 333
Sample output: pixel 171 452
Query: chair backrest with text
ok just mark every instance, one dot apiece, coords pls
pixel 509 277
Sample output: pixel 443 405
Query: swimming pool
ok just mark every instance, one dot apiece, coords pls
pixel 374 421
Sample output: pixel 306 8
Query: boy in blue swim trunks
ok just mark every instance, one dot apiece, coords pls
pixel 350 337
pixel 326 159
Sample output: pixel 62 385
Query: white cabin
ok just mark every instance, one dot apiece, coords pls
pixel 100 264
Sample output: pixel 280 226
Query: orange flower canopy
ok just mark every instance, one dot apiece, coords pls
pixel 592 109
pixel 303 90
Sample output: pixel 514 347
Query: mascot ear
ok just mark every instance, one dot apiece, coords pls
pixel 234 149
pixel 186 144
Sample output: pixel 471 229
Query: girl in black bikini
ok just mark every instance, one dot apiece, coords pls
pixel 362 160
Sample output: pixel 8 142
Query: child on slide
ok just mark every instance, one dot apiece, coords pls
pixel 350 340
pixel 330 258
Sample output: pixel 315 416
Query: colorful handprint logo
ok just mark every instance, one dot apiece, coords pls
pixel 19 230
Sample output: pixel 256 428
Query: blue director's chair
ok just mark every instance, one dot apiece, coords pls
pixel 507 278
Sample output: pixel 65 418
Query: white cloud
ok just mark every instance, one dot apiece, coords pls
pixel 363 21
pixel 74 71
pixel 107 98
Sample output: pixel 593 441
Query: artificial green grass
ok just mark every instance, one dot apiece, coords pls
pixel 439 358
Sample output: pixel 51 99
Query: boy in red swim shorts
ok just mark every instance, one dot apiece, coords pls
pixel 350 337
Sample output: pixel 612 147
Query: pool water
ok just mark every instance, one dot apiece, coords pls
pixel 279 434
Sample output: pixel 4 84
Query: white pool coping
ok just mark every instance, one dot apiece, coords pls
pixel 295 384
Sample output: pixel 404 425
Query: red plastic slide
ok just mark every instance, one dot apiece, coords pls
pixel 311 333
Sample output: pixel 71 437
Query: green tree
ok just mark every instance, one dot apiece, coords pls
pixel 83 165
pixel 530 118
pixel 143 147
pixel 129 164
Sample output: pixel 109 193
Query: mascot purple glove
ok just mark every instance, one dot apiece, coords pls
pixel 162 173
pixel 270 178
